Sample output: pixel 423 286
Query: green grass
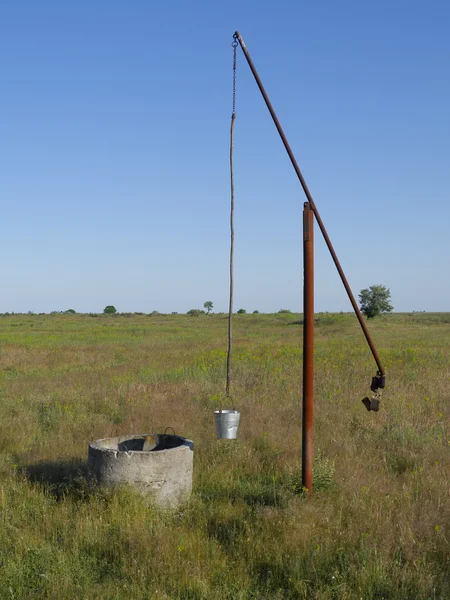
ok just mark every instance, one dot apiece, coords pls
pixel 377 526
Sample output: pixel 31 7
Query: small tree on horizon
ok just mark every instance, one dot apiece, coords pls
pixel 109 310
pixel 241 311
pixel 195 312
pixel 375 300
pixel 209 306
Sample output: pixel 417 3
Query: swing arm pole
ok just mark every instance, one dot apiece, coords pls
pixel 326 237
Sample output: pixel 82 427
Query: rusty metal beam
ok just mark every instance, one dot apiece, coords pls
pixel 313 206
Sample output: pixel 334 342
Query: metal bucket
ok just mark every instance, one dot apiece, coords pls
pixel 227 423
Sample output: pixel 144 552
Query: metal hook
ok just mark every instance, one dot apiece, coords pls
pixel 171 429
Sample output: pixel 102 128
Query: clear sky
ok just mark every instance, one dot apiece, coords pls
pixel 114 123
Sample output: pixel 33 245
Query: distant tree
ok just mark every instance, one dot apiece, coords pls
pixel 241 311
pixel 256 312
pixel 109 310
pixel 375 300
pixel 284 311
pixel 209 306
pixel 71 311
pixel 195 312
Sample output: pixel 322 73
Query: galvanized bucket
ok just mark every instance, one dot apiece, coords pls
pixel 227 423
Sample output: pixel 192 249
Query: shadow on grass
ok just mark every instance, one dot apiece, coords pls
pixel 63 479
pixel 252 491
pixel 227 532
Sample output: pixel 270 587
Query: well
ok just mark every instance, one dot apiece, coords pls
pixel 157 465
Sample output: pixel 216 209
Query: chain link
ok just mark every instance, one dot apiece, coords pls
pixel 234 45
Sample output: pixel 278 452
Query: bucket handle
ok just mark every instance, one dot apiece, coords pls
pixel 232 402
pixel 171 429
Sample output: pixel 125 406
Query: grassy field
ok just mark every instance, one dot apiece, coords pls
pixel 377 526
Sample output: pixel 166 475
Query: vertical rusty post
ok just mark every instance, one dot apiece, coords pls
pixel 308 346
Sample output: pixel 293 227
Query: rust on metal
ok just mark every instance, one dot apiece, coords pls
pixel 308 346
pixel 312 204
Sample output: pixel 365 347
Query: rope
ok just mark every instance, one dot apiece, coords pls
pixel 230 308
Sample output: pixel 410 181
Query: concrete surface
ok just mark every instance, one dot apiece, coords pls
pixel 159 466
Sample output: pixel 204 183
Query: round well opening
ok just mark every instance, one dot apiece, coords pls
pixel 141 443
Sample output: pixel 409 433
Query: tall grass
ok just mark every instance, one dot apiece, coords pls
pixel 377 526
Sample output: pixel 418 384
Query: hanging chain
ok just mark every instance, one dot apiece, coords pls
pixel 230 310
pixel 234 45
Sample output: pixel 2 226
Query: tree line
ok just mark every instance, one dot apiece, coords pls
pixel 374 301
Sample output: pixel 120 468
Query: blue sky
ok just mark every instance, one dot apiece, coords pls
pixel 114 183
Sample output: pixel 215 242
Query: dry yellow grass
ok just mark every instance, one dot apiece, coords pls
pixel 377 526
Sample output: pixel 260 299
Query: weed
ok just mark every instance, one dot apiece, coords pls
pixel 376 525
